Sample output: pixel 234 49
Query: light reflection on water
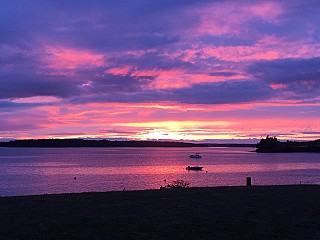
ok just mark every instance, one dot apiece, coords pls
pixel 49 168
pixel 25 171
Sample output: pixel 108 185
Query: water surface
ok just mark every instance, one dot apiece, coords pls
pixel 26 171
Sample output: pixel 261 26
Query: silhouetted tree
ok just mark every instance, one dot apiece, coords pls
pixel 269 144
pixel 178 184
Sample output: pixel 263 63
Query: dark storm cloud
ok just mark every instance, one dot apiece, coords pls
pixel 287 70
pixel 311 133
pixel 97 25
pixel 120 97
pixel 226 41
pixel 8 106
pixel 21 22
pixel 207 93
pixel 21 86
pixel 18 59
pixel 153 60
pixel 224 74
pixel 223 92
pixel 7 125
pixel 300 76
pixel 122 24
pixel 117 84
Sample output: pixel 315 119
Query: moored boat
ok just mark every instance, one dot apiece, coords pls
pixel 197 155
pixel 196 168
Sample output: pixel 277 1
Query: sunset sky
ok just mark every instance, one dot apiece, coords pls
pixel 166 69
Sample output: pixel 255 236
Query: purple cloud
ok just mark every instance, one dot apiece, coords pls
pixel 209 93
pixel 19 86
pixel 298 76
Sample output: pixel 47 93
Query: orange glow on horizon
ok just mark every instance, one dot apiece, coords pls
pixel 137 121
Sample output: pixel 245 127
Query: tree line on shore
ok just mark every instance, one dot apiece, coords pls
pixel 272 144
pixel 268 144
pixel 63 143
pixel 60 143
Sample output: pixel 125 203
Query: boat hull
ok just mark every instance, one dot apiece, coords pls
pixel 194 168
pixel 197 155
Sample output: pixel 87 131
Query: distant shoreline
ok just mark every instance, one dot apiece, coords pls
pixel 268 145
pixel 76 143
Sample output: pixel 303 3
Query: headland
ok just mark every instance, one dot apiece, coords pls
pixel 273 145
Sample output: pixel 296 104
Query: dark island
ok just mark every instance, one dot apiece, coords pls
pixel 64 143
pixel 273 145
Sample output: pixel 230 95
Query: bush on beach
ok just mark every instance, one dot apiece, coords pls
pixel 178 184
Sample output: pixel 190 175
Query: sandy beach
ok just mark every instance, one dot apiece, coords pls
pixel 257 212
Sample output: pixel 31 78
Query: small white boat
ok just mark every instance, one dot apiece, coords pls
pixel 197 155
pixel 195 168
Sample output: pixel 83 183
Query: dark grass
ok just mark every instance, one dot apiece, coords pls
pixel 268 212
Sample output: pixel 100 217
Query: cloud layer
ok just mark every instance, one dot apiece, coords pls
pixel 182 69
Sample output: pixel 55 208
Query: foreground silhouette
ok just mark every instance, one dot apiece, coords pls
pixel 264 213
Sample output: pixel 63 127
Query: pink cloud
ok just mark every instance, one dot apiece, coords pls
pixel 119 70
pixel 228 17
pixel 267 48
pixel 59 58
pixel 278 86
pixel 173 78
pixel 239 53
pixel 267 10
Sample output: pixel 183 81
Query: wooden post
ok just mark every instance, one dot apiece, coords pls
pixel 248 181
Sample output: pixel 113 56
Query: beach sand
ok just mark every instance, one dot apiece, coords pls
pixel 257 212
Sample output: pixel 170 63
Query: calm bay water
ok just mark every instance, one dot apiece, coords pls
pixel 28 171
